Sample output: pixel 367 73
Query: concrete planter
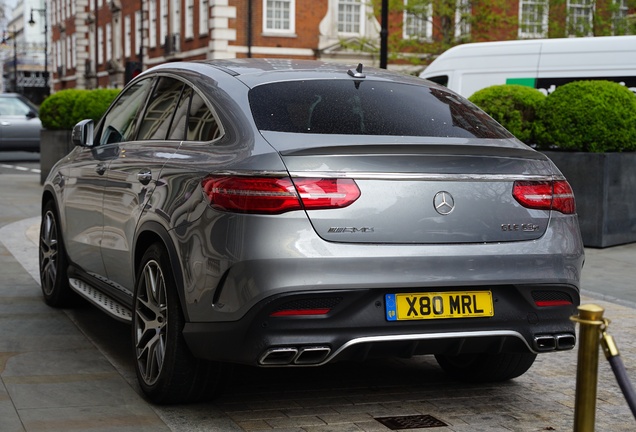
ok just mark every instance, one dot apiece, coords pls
pixel 54 145
pixel 604 186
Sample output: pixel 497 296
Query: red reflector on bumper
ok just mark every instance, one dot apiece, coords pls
pixel 546 303
pixel 300 312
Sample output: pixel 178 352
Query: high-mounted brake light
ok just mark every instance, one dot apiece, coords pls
pixel 276 195
pixel 545 195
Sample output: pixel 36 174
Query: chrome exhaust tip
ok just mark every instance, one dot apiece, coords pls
pixel 545 343
pixel 565 341
pixel 278 356
pixel 312 355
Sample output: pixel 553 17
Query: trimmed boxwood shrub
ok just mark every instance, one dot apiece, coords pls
pixel 513 106
pixel 64 109
pixel 589 116
pixel 92 104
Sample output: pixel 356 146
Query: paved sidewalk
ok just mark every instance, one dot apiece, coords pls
pixel 71 371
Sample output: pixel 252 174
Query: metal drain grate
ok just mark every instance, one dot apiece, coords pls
pixel 411 422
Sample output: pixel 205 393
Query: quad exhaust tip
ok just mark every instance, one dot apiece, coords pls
pixel 284 356
pixel 559 342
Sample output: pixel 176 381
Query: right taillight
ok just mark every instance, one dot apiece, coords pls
pixel 545 195
pixel 276 195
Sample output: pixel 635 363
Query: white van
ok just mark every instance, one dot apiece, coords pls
pixel 540 63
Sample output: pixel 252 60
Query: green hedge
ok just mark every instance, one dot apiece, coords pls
pixel 513 106
pixel 64 109
pixel 588 116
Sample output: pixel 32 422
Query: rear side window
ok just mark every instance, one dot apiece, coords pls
pixel 368 108
pixel 161 109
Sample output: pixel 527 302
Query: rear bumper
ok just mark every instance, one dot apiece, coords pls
pixel 356 328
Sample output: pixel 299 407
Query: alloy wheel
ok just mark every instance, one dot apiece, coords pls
pixel 151 323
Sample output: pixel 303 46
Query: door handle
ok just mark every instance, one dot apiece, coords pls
pixel 144 176
pixel 100 169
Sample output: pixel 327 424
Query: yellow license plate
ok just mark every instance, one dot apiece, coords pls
pixel 419 306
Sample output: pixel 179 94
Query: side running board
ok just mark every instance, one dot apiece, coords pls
pixel 107 304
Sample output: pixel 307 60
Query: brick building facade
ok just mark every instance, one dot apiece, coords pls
pixel 102 43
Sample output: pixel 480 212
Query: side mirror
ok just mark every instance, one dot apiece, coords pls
pixel 82 134
pixel 31 114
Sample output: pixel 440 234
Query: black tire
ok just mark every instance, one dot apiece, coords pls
pixel 166 370
pixel 53 261
pixel 486 367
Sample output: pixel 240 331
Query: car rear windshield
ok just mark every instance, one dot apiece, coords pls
pixel 368 108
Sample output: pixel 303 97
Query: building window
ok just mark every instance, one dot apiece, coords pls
pixel 109 41
pixel 463 18
pixel 189 19
pixel 138 29
pixel 152 28
pixel 533 18
pixel 581 17
pixel 279 16
pixel 416 23
pixel 163 24
pixel 620 24
pixel 349 16
pixel 175 13
pixel 74 50
pixel 204 13
pixel 128 38
pixel 100 45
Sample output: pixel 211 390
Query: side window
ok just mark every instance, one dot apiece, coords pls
pixel 441 79
pixel 161 109
pixel 119 123
pixel 202 123
pixel 178 129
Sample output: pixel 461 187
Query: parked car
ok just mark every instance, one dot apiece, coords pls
pixel 19 124
pixel 282 213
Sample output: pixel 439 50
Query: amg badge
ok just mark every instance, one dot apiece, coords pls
pixel 339 230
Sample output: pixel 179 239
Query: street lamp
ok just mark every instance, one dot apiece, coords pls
pixel 46 46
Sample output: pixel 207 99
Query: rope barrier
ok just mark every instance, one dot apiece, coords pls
pixel 592 334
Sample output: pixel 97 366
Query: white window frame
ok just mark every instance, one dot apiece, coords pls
pixel 274 24
pixel 189 19
pixel 528 19
pixel 163 21
pixel 109 41
pixel 414 27
pixel 462 28
pixel 575 9
pixel 127 37
pixel 74 50
pixel 347 27
pixel 138 35
pixel 204 16
pixel 620 16
pixel 100 45
pixel 175 14
pixel 152 24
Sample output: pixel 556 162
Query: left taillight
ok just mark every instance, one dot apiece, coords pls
pixel 545 195
pixel 275 195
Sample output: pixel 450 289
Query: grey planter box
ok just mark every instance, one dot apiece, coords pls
pixel 54 145
pixel 604 186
